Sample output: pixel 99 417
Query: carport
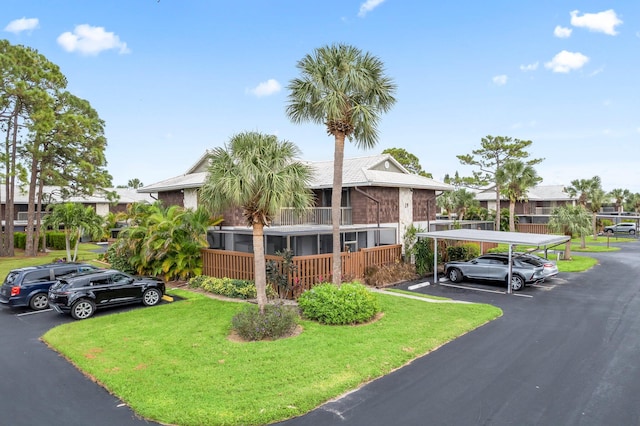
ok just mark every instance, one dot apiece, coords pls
pixel 540 241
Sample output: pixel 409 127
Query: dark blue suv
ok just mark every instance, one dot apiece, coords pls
pixel 29 286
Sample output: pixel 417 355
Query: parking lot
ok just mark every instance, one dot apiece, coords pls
pixel 564 354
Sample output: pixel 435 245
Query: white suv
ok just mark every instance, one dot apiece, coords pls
pixel 626 227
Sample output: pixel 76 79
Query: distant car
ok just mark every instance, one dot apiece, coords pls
pixel 495 267
pixel 28 286
pixel 550 267
pixel 626 227
pixel 81 294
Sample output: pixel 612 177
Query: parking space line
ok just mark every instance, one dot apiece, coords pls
pixel 33 312
pixel 485 290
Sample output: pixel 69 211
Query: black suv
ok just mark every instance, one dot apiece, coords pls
pixel 82 293
pixel 29 286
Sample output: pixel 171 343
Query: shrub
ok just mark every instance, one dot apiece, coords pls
pixel 19 240
pixel 237 289
pixel 277 321
pixel 351 303
pixel 389 274
pixel 423 250
pixel 464 251
pixel 118 259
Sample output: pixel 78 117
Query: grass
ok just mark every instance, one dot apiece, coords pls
pixel 577 264
pixel 85 254
pixel 174 363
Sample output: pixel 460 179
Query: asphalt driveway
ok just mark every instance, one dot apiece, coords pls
pixel 39 387
pixel 569 355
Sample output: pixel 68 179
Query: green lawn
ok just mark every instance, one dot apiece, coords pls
pixel 174 363
pixel 85 254
pixel 577 264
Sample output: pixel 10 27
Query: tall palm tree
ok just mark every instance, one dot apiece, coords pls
pixel 346 90
pixel 516 178
pixel 462 200
pixel 590 196
pixel 570 220
pixel 619 195
pixel 258 173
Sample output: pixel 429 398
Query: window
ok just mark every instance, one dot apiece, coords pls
pixel 37 276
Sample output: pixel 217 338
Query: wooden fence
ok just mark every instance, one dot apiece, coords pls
pixel 307 270
pixel 533 228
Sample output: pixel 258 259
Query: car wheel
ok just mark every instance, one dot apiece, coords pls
pixel 83 309
pixel 455 275
pixel 151 297
pixel 609 231
pixel 632 231
pixel 517 283
pixel 39 302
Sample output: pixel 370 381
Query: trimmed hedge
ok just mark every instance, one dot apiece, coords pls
pixel 351 303
pixel 55 240
pixel 237 289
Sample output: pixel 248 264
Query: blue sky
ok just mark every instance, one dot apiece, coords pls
pixel 176 77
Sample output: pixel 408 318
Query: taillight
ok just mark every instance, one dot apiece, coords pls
pixel 548 265
pixel 15 290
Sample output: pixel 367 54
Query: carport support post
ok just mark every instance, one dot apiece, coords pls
pixel 510 274
pixel 435 261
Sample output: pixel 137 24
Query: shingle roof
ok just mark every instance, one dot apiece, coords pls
pixel 537 193
pixel 377 170
pixel 127 195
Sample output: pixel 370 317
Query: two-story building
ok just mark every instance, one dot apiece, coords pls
pixel 380 199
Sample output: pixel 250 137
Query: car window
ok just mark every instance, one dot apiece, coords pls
pixel 100 281
pixel 483 261
pixel 63 271
pixel 85 268
pixel 11 277
pixel 121 279
pixel 40 275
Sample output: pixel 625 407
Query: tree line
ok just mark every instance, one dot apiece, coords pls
pixel 50 138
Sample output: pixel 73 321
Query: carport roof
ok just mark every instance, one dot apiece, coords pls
pixel 497 237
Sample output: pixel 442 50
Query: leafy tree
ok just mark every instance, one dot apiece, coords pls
pixel 258 173
pixel 490 158
pixel 77 221
pixel 346 90
pixel 408 161
pixel 27 82
pixel 619 196
pixel 570 220
pixel 515 179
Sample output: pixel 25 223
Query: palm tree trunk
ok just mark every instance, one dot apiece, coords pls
pixel 498 207
pixel 336 204
pixel 567 251
pixel 259 265
pixel 594 224
pixel 512 214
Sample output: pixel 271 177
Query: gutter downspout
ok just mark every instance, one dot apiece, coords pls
pixel 377 242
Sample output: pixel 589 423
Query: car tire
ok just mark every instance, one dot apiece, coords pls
pixel 455 275
pixel 632 232
pixel 82 309
pixel 151 297
pixel 609 231
pixel 39 302
pixel 517 283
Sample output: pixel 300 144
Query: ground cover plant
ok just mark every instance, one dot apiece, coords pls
pixel 174 363
pixel 577 264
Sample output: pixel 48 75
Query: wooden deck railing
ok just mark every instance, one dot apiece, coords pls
pixel 307 270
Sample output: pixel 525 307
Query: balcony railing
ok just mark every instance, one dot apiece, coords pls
pixel 22 216
pixel 313 216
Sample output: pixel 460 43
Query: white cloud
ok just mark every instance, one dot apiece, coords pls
pixel 23 24
pixel 529 67
pixel 368 6
pixel 500 80
pixel 566 61
pixel 601 22
pixel 266 88
pixel 90 40
pixel 562 32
